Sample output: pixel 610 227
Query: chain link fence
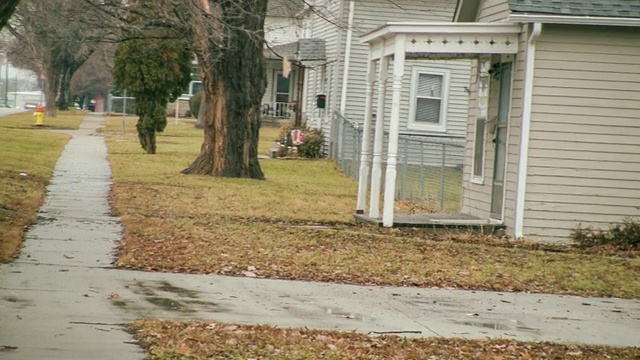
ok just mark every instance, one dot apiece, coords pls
pixel 121 105
pixel 429 169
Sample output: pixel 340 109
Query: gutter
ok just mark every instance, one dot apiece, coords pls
pixel 573 20
pixel 536 29
pixel 347 59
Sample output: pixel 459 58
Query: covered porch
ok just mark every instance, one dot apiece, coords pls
pixel 389 47
pixel 284 77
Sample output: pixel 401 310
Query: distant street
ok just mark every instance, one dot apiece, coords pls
pixel 9 111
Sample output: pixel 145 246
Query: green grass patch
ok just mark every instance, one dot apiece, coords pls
pixel 26 166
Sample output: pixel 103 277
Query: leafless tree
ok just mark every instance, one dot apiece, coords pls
pixel 52 40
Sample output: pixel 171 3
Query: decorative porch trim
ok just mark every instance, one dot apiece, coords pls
pixel 441 40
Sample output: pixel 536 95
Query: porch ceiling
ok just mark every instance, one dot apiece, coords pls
pixel 443 40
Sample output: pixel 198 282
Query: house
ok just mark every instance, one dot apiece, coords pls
pixel 283 28
pixel 554 114
pixel 342 77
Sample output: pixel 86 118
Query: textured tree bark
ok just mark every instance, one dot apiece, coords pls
pixel 234 80
pixel 200 118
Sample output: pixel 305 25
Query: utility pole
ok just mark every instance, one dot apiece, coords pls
pixel 6 82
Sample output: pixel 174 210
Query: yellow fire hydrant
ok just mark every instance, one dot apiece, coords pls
pixel 39 115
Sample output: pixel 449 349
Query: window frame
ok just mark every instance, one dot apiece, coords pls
pixel 482 67
pixel 441 126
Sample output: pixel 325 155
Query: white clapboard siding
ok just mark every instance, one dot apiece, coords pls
pixel 323 23
pixel 371 14
pixel 476 198
pixel 584 165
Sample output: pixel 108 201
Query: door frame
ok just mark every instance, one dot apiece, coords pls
pixel 292 76
pixel 503 59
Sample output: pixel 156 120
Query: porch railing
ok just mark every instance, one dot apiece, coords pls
pixel 429 169
pixel 279 110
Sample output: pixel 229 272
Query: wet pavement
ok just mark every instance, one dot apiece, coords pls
pixel 62 299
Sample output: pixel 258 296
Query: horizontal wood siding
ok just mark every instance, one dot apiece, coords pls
pixel 282 30
pixel 325 24
pixel 584 165
pixel 476 198
pixel 374 13
pixel 515 134
pixel 493 10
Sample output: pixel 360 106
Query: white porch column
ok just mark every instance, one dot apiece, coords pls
pixel 376 173
pixel 394 127
pixel 363 179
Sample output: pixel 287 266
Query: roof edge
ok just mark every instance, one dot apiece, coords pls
pixel 573 19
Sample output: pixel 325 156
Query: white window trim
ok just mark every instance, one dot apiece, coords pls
pixel 475 179
pixel 442 125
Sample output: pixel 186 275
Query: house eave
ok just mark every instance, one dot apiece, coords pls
pixel 573 20
pixel 394 28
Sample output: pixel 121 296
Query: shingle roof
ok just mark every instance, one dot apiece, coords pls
pixel 597 8
pixel 284 8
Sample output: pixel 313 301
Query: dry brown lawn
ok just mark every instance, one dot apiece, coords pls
pixel 298 225
pixel 167 340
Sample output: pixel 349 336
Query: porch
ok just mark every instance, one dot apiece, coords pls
pixel 389 47
pixel 435 222
pixel 284 76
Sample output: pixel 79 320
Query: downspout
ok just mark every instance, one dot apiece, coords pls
pixel 526 129
pixel 335 137
pixel 347 59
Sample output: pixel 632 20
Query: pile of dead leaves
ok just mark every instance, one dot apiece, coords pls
pixel 195 340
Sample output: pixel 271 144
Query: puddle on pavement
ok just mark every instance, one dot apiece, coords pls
pixel 182 292
pixel 168 304
pixel 169 297
pixel 344 314
pixel 22 303
pixel 498 326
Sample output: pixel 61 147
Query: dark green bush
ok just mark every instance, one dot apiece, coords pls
pixel 312 148
pixel 194 103
pixel 624 236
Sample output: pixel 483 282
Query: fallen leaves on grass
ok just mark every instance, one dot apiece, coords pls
pixel 355 257
pixel 197 340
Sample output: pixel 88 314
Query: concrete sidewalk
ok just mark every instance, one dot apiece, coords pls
pixel 62 299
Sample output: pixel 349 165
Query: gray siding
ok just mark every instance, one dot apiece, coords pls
pixel 493 10
pixel 584 165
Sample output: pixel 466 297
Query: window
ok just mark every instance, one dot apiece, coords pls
pixel 429 97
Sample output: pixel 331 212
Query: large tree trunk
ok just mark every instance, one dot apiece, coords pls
pixel 50 87
pixel 147 137
pixel 7 7
pixel 201 113
pixel 234 83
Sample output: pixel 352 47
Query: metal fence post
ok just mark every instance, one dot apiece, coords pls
pixel 442 168
pixel 403 183
pixel 356 150
pixel 422 166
